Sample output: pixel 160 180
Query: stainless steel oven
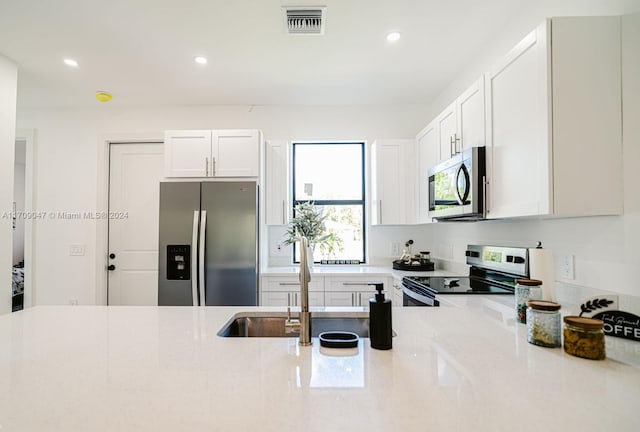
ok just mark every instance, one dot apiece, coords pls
pixel 493 270
pixel 457 187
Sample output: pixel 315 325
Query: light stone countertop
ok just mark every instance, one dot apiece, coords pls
pixel 465 366
pixel 350 270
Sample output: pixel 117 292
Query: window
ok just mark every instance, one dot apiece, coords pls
pixel 331 176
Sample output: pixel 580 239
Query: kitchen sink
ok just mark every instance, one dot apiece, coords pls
pixel 272 324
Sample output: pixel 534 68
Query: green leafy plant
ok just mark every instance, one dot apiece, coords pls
pixel 307 222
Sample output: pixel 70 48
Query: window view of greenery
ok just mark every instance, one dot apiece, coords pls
pixel 331 177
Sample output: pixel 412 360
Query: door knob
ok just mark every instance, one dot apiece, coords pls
pixel 111 267
pixel 112 255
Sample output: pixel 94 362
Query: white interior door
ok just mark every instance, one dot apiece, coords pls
pixel 135 171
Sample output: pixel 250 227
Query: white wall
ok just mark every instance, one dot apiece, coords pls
pixel 8 86
pixel 67 156
pixel 604 247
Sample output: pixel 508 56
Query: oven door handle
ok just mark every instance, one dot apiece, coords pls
pixel 426 301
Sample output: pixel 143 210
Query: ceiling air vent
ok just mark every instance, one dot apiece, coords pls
pixel 304 20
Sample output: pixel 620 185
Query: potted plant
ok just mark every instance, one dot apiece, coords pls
pixel 309 223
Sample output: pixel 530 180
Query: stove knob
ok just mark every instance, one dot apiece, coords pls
pixel 474 254
pixel 509 258
pixel 518 260
pixel 467 253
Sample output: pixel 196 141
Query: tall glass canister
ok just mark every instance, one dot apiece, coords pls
pixel 543 323
pixel 526 289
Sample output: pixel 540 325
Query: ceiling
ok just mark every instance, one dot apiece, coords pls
pixel 142 51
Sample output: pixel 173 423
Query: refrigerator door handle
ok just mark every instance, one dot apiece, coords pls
pixel 201 262
pixel 194 268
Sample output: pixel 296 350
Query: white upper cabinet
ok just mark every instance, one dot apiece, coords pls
pixel 235 153
pixel 218 153
pixel 393 182
pixel 446 130
pixel 186 153
pixel 462 124
pixel 554 122
pixel 426 152
pixel 276 163
pixel 470 118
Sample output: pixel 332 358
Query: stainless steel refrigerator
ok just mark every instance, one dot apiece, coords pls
pixel 208 244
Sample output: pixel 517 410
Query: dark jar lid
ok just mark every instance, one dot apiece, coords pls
pixel 584 322
pixel 529 282
pixel 543 305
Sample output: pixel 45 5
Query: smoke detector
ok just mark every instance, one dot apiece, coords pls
pixel 304 20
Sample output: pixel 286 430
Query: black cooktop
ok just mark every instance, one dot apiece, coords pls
pixel 456 285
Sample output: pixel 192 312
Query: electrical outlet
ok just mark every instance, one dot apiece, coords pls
pixel 73 302
pixel 395 249
pixel 567 268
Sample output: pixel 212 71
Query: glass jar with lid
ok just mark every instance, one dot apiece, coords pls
pixel 584 337
pixel 543 323
pixel 526 289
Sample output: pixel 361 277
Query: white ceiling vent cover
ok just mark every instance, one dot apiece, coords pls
pixel 304 20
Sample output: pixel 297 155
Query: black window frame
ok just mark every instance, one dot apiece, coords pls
pixel 361 202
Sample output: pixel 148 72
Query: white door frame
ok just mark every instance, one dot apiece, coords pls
pixel 102 203
pixel 28 135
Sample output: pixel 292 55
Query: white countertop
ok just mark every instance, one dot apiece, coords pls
pixel 349 270
pixel 465 366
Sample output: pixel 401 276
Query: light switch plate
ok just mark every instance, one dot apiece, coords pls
pixel 76 250
pixel 567 268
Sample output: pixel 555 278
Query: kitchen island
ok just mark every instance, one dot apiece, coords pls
pixel 465 366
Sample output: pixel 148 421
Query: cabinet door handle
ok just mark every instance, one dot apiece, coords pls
pixel 452 145
pixel 380 210
pixel 284 221
pixel 289 283
pixel 206 167
pixel 288 299
pixel 355 284
pixel 213 166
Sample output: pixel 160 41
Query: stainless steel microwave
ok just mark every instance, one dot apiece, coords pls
pixel 457 187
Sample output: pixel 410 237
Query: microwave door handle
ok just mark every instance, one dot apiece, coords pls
pixel 462 197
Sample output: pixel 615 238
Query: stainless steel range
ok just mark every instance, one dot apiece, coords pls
pixel 493 270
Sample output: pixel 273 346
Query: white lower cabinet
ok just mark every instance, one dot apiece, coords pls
pixel 290 298
pixel 285 291
pixel 351 298
pixel 396 297
pixel 350 291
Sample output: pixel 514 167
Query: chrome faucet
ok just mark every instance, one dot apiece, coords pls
pixel 303 325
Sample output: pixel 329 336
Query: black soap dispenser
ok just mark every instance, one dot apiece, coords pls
pixel 380 332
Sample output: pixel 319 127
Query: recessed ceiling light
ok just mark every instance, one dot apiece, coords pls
pixel 393 36
pixel 70 62
pixel 200 60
